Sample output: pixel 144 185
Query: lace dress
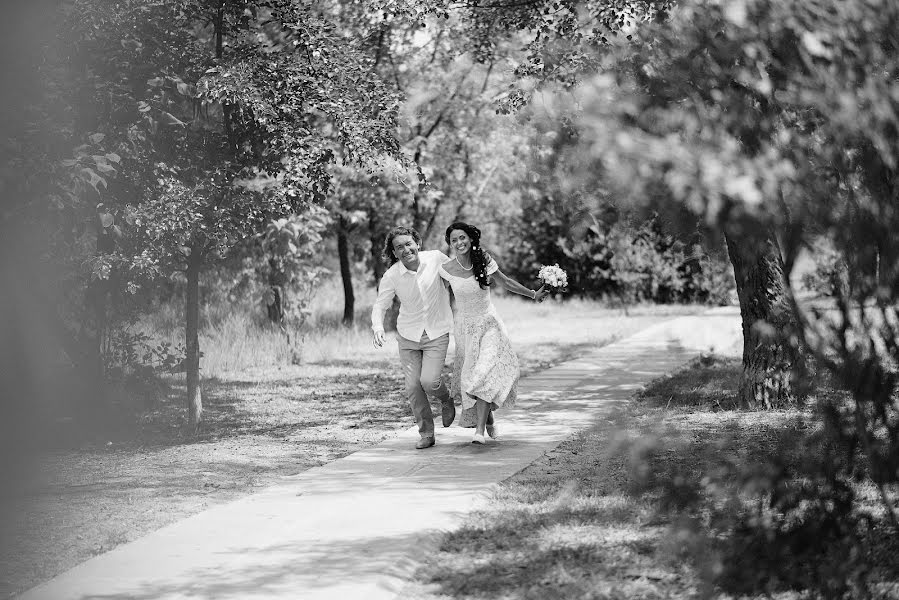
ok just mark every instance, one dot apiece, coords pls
pixel 485 365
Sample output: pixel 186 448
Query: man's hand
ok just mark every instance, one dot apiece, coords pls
pixel 379 339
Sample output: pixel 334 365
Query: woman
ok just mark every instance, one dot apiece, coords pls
pixel 485 370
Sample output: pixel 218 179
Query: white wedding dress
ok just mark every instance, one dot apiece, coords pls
pixel 485 366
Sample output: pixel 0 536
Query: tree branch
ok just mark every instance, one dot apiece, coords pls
pixel 381 35
pixel 506 5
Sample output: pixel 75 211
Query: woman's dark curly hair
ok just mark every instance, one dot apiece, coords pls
pixel 388 242
pixel 479 258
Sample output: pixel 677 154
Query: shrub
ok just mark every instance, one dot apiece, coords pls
pixel 828 275
pixel 777 503
pixel 615 260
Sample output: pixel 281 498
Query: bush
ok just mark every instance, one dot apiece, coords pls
pixel 828 277
pixel 777 503
pixel 615 260
pixel 646 265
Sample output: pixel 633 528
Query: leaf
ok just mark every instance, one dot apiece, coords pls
pixel 68 162
pixel 114 157
pixel 813 45
pixel 93 178
pixel 106 220
pixel 735 12
pixel 170 119
pixel 156 82
pixel 143 106
pixel 97 137
pixel 183 89
pixel 105 167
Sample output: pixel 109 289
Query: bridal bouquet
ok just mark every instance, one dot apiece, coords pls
pixel 553 276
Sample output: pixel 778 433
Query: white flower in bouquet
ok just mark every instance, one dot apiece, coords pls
pixel 553 276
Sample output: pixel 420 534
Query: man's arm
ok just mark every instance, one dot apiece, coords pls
pixel 386 293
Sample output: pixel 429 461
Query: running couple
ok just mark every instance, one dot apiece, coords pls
pixel 485 369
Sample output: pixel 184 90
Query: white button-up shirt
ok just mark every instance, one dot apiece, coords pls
pixel 424 300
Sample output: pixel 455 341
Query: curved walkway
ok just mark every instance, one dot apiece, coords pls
pixel 354 528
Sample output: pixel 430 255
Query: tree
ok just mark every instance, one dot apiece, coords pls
pixel 290 263
pixel 779 123
pixel 227 114
pixel 688 73
pixel 448 131
pixel 657 70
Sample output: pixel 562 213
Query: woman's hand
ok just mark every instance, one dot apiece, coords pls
pixel 541 294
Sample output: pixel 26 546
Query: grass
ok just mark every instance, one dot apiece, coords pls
pixel 272 409
pixel 642 505
pixel 239 338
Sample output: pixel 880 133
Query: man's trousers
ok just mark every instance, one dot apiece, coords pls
pixel 422 364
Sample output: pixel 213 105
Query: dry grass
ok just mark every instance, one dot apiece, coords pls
pixel 238 338
pixel 610 513
pixel 272 409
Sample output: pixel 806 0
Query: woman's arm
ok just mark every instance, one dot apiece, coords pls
pixel 513 286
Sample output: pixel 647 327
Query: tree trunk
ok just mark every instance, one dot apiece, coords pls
pixel 275 308
pixel 276 303
pixel 768 355
pixel 417 220
pixel 376 237
pixel 343 253
pixel 192 342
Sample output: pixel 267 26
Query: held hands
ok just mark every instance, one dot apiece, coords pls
pixel 379 338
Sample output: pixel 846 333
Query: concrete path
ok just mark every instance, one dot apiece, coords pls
pixel 356 527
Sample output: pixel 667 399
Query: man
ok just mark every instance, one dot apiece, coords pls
pixel 422 327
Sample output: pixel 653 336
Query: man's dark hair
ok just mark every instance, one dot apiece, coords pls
pixel 388 242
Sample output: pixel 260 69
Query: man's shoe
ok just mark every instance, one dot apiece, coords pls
pixel 425 442
pixel 448 412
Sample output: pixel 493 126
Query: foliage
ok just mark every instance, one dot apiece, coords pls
pixel 458 153
pixel 291 265
pixel 221 144
pixel 648 264
pixel 828 276
pixel 614 259
pixel 133 359
pixel 186 127
pixel 552 41
pixel 769 507
pixel 783 520
pixel 459 150
pixel 795 128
